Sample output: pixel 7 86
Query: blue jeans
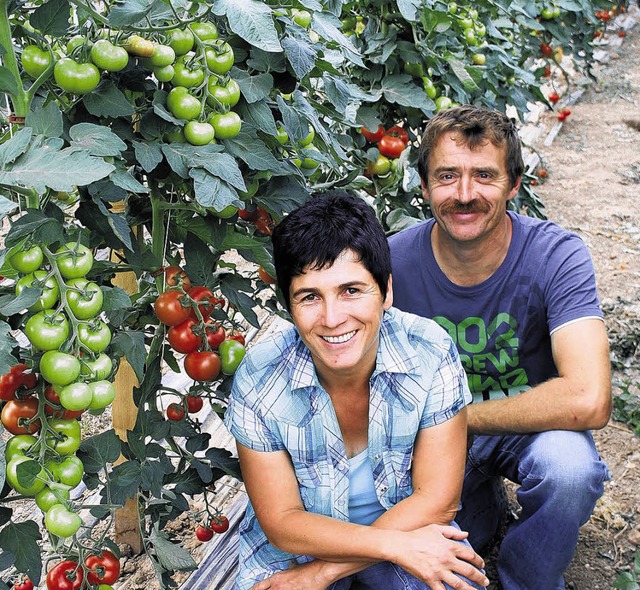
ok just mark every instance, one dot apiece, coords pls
pixel 387 576
pixel 561 477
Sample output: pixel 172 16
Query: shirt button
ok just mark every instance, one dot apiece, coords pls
pixel 384 488
pixel 341 502
pixel 377 457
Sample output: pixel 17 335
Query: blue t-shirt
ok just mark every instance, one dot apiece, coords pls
pixel 502 326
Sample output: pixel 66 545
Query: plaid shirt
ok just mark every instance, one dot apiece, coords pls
pixel 277 403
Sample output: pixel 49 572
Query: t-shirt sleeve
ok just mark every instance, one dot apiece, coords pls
pixel 449 390
pixel 571 291
pixel 244 417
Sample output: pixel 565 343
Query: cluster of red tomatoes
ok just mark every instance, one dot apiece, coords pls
pixel 69 374
pixel 219 524
pixel 98 570
pixel 210 350
pixel 391 142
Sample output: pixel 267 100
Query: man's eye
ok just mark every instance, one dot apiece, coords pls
pixel 352 291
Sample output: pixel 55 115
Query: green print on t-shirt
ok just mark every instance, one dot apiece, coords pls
pixel 489 354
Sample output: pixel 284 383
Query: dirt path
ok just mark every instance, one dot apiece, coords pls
pixel 593 188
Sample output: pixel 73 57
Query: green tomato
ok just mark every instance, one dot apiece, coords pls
pixel 109 57
pixel 227 95
pixel 481 29
pixel 65 439
pixel 35 61
pixel 225 125
pixel 307 163
pixel 97 369
pixel 548 13
pixel 28 260
pixel 281 135
pixel 429 87
pixel 443 102
pixel 164 73
pixel 309 138
pixel 74 77
pixel 185 74
pixel 470 36
pixel 139 46
pixel 67 471
pixel 301 17
pixel 197 133
pixel 28 488
pixel 466 23
pixel 76 396
pixel 74 260
pixel 183 105
pixel 479 59
pixel 19 445
pixel 48 497
pixel 75 42
pixel 205 31
pixel 40 279
pixel 380 167
pixel 231 354
pixel 162 56
pixel 102 394
pixel 453 7
pixel 414 69
pixel 219 58
pixel 62 522
pixel 96 336
pixel 47 329
pixel 84 298
pixel 226 213
pixel 181 41
pixel 59 368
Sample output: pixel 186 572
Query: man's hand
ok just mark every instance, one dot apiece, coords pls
pixel 432 555
pixel 307 576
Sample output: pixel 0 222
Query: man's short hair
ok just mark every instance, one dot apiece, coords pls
pixel 314 235
pixel 476 126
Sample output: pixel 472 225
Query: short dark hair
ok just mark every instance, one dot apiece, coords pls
pixel 476 125
pixel 315 234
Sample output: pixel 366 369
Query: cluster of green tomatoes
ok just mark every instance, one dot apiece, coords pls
pixel 68 373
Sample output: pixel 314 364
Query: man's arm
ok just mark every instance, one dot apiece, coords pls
pixel 411 534
pixel 578 399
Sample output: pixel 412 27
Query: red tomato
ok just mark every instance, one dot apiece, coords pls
pixel 265 276
pixel 215 334
pixel 169 308
pixel 66 575
pixel 174 276
pixel 24 583
pixel 194 403
pixel 14 379
pixel 103 568
pixel 182 338
pixel 373 136
pixel 202 366
pixel 397 131
pixel 175 412
pixel 237 336
pixel 204 534
pixel 205 299
pixel 15 413
pixel 248 214
pixel 391 146
pixel 219 523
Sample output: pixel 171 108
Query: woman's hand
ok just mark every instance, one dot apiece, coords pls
pixel 433 555
pixel 307 576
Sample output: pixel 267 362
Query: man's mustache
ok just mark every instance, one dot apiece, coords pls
pixel 475 206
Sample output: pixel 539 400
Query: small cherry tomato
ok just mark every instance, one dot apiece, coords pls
pixel 219 524
pixel 194 403
pixel 175 412
pixel 373 136
pixel 397 131
pixel 174 276
pixel 204 534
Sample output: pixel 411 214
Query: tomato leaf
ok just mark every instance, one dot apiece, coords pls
pixel 123 483
pixel 204 471
pixel 241 301
pixel 51 18
pixel 148 154
pixel 130 12
pixel 10 150
pixel 252 21
pixel 46 121
pixel 96 140
pixel 302 56
pixel 151 477
pixel 328 27
pixel 10 305
pixel 253 88
pixel 115 298
pixel 409 9
pixel 6 206
pixel 21 539
pixel 254 153
pixel 131 344
pixel 171 556
pixel 224 460
pixel 99 450
pixel 403 91
pixel 258 115
pixel 123 178
pixel 8 82
pixel 459 69
pixel 200 262
pixel 108 101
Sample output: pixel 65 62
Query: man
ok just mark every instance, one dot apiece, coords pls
pixel 350 425
pixel 518 296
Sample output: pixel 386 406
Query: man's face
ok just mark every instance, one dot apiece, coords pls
pixel 338 310
pixel 468 189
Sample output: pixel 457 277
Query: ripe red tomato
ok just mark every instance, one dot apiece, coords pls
pixel 219 524
pixel 204 534
pixel 265 276
pixel 194 403
pixel 202 366
pixel 215 334
pixel 169 308
pixel 554 97
pixel 16 413
pixel 248 214
pixel 264 223
pixel 182 338
pixel 237 336
pixel 24 583
pixel 205 299
pixel 66 575
pixel 397 131
pixel 546 49
pixel 102 569
pixel 175 412
pixel 373 136
pixel 391 146
pixel 174 276
pixel 14 379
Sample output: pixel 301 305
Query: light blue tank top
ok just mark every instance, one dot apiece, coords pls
pixel 364 506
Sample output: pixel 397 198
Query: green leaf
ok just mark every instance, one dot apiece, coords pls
pixel 148 154
pixel 151 477
pixel 99 450
pixel 52 18
pixel 46 121
pixel 148 389
pixel 44 227
pixel 253 152
pixel 462 74
pixel 130 12
pixel 177 156
pixel 6 206
pixel 301 56
pixel 258 115
pixel 21 539
pixel 96 140
pixel 117 222
pixel 108 101
pixel 115 298
pixel 8 82
pixel 241 301
pixel 124 481
pixel 328 27
pixel 626 581
pixel 62 170
pixel 409 9
pixel 200 262
pixel 172 557
pixel 131 344
pixel 402 90
pixel 254 88
pixel 223 166
pixel 250 20
pixel 10 305
pixel 211 192
pixel 123 178
pixel 27 472
pixel 15 147
pixel 224 460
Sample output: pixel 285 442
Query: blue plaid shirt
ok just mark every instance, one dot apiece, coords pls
pixel 277 403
